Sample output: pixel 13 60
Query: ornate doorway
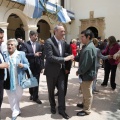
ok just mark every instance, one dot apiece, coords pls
pixel 94 30
pixel 97 25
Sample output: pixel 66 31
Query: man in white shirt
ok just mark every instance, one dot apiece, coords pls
pixel 3 65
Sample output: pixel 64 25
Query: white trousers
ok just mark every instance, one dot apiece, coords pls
pixel 14 98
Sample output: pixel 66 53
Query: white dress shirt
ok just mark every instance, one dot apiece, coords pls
pixel 33 46
pixel 59 45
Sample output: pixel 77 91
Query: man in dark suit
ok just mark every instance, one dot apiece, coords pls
pixel 55 69
pixel 67 67
pixel 3 65
pixel 33 54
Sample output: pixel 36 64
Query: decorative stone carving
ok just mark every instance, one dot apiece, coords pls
pixel 91 14
pixel 98 23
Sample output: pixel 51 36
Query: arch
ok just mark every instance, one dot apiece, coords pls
pixel 94 30
pixel 45 18
pixel 18 13
pixel 43 29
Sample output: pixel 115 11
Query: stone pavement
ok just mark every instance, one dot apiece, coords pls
pixel 105 105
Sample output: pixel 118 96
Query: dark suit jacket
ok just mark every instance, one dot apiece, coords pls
pixel 53 59
pixel 1 72
pixel 35 62
pixel 19 46
pixel 68 51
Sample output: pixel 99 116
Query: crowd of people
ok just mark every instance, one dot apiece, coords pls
pixel 55 56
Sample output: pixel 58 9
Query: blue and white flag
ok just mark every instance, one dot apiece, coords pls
pixel 19 1
pixel 33 8
pixel 52 8
pixel 63 16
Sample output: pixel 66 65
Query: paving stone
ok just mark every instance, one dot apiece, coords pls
pixel 106 103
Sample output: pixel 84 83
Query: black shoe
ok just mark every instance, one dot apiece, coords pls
pixel 95 91
pixel 56 94
pixel 82 113
pixel 80 105
pixel 37 101
pixel 103 84
pixel 53 110
pixel 64 115
pixel 31 97
pixel 113 89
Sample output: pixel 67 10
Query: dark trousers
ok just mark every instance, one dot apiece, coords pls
pixel 66 83
pixel 51 83
pixel 110 68
pixel 1 92
pixel 34 91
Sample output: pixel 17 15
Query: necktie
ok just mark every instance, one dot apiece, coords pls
pixel 12 75
pixel 60 48
pixel 33 46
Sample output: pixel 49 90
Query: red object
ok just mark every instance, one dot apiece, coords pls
pixel 74 49
pixel 111 51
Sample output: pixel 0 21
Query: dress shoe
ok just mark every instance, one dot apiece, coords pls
pixel 53 110
pixel 104 85
pixel 37 101
pixel 95 91
pixel 113 89
pixel 80 105
pixel 31 97
pixel 82 113
pixel 56 94
pixel 64 115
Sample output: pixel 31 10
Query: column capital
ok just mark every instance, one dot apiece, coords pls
pixel 3 24
pixel 30 27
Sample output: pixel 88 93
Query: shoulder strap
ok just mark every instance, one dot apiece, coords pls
pixel 30 73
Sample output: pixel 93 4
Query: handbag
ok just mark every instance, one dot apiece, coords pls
pixel 29 82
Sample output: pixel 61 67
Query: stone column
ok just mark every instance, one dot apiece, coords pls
pixel 4 25
pixel 51 31
pixel 28 29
